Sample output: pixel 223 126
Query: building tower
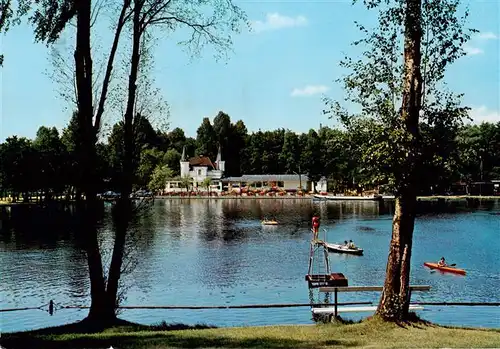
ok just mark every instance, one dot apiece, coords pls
pixel 221 164
pixel 184 163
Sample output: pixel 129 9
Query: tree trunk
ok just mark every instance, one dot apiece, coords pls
pixel 124 204
pixel 87 154
pixel 395 299
pixel 122 219
pixel 109 67
pixel 129 134
pixel 97 312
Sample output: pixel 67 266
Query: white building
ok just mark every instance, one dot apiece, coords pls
pixel 198 169
pixel 322 185
pixel 267 181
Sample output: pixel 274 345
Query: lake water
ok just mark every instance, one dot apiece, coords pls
pixel 215 252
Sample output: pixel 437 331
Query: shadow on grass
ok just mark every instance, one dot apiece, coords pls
pixel 119 325
pixel 128 335
pixel 169 340
pixel 43 338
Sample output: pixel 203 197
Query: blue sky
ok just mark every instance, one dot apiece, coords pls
pixel 275 77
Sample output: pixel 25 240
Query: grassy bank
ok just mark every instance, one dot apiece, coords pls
pixel 371 333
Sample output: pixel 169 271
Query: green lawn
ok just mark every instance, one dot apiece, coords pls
pixel 368 334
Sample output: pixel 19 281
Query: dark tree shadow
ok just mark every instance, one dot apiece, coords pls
pixel 173 339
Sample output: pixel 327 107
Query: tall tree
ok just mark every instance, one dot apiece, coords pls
pixel 214 29
pixel 172 159
pixel 49 147
pixel 234 150
pixel 395 299
pixel 222 128
pixel 177 139
pixel 50 19
pixel 18 157
pixel 311 157
pixel 150 159
pixel 432 36
pixel 206 140
pixel 159 177
pixel 290 153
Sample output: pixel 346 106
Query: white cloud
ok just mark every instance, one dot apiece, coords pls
pixel 487 36
pixel 472 51
pixel 483 114
pixel 276 21
pixel 309 90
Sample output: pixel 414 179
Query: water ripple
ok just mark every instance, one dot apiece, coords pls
pixel 216 252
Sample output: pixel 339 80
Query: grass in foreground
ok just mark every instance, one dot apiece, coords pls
pixel 368 334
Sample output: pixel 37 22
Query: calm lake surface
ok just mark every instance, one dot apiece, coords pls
pixel 215 252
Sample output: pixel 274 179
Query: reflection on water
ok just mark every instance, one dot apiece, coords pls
pixel 215 252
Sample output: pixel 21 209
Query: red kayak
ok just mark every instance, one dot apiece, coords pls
pixel 445 269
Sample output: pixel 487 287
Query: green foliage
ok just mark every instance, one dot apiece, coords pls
pixel 51 17
pixel 206 183
pixel 150 160
pixel 311 159
pixel 172 159
pixel 206 139
pixel 159 177
pixel 186 182
pixel 10 15
pixel 18 159
pixel 290 153
pixel 176 139
pixel 374 83
pixel 49 149
pixel 145 139
pixel 50 163
pixel 478 146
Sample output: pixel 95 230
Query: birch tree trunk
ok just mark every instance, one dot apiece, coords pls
pixel 395 299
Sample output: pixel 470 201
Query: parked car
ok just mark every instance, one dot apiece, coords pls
pixel 142 194
pixel 109 195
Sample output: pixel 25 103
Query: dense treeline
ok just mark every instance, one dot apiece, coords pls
pixel 48 164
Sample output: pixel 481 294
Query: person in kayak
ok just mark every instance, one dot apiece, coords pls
pixel 442 262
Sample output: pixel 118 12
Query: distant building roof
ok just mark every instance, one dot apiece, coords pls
pixel 266 177
pixel 201 161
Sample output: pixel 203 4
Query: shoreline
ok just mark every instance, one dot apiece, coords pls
pixel 305 197
pixel 341 199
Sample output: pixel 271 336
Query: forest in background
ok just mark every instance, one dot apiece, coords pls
pixel 48 163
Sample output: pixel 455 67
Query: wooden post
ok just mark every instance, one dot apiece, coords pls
pixel 336 303
pixel 409 295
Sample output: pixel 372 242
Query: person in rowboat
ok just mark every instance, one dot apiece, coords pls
pixel 442 262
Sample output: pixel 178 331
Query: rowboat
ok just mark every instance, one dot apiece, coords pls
pixel 269 223
pixel 343 249
pixel 444 269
